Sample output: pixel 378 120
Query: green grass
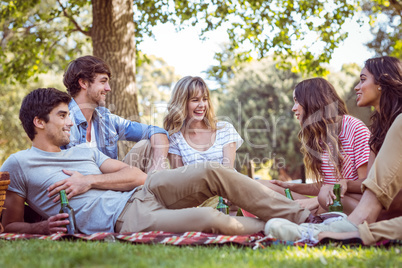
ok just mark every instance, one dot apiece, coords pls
pixel 38 253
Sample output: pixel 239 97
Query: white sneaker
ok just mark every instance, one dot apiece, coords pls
pixel 288 231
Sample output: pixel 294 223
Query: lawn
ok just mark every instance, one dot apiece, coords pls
pixel 39 253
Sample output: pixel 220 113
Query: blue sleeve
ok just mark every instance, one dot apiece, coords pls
pixel 134 131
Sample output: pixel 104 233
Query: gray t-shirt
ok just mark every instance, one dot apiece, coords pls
pixel 32 171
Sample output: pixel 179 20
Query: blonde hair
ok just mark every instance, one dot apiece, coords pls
pixel 185 89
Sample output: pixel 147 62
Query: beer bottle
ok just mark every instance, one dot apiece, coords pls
pixel 288 194
pixel 66 208
pixel 239 213
pixel 222 207
pixel 337 205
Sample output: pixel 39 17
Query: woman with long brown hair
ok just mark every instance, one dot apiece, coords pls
pixel 334 145
pixel 380 86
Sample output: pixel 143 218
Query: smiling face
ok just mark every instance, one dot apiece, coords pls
pixel 367 91
pixel 57 129
pixel 297 109
pixel 197 107
pixel 96 91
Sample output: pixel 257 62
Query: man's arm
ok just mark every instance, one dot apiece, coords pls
pixel 116 176
pixel 175 161
pixel 13 218
pixel 160 147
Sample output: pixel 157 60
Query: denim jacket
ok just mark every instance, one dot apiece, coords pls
pixel 109 128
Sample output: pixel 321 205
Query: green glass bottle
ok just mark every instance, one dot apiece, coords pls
pixel 222 207
pixel 66 208
pixel 288 194
pixel 337 205
pixel 239 213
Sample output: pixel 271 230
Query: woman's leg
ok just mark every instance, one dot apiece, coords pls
pixel 371 233
pixel 384 180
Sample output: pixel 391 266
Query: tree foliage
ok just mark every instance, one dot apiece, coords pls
pixel 386 21
pixel 11 131
pixel 35 37
pixel 41 34
pixel 12 134
pixel 155 79
pixel 258 102
pixel 307 31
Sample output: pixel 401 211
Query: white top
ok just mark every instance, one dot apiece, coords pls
pixel 225 134
pixel 92 142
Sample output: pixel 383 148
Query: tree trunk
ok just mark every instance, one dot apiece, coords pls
pixel 113 40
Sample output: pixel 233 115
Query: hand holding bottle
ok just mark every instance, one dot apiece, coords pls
pixel 54 224
pixel 67 209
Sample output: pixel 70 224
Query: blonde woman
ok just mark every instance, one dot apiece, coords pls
pixel 195 134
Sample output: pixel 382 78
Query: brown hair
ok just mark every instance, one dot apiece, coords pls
pixel 321 124
pixel 85 68
pixel 39 103
pixel 387 72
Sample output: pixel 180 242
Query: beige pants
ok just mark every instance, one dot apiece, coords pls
pixel 385 181
pixel 140 156
pixel 168 200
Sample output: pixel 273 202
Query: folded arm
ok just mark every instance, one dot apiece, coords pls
pixel 116 175
pixel 13 218
pixel 160 147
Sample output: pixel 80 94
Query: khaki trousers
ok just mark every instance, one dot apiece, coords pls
pixel 140 156
pixel 168 200
pixel 385 181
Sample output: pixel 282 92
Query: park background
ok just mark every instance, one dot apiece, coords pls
pixel 251 53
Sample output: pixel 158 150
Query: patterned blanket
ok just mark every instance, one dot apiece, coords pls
pixel 185 239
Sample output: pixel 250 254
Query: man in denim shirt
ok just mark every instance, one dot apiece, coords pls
pixel 87 81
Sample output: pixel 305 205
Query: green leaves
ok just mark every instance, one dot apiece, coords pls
pixel 385 21
pixel 47 31
pixel 34 38
pixel 284 29
pixel 258 102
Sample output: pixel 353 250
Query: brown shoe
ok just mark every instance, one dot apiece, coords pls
pixel 322 217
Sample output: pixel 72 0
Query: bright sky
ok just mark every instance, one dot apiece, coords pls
pixel 192 56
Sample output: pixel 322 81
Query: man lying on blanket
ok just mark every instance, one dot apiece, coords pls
pixel 110 196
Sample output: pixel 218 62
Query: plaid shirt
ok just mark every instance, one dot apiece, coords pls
pixel 109 128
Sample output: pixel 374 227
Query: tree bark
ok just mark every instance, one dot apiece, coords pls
pixel 113 40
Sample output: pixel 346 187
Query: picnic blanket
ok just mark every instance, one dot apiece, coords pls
pixel 186 239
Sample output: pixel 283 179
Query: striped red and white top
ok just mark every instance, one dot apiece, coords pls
pixel 354 137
